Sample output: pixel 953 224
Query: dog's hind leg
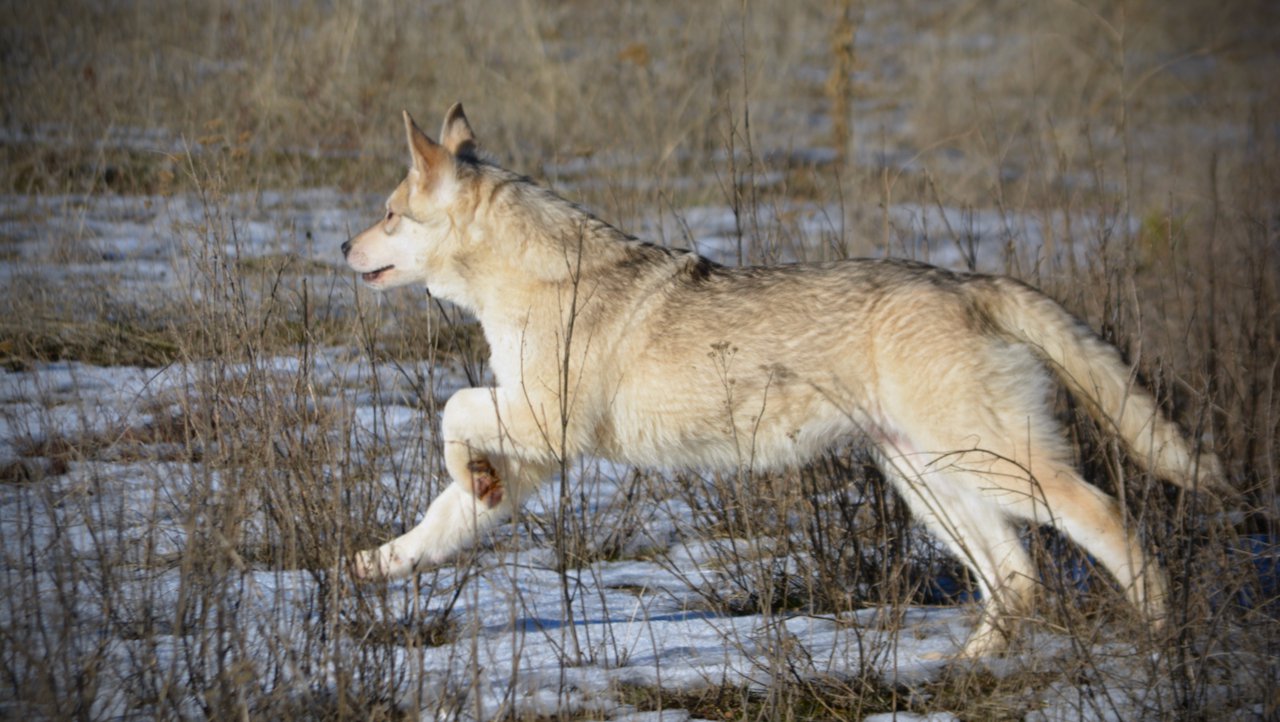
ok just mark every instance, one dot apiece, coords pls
pixel 1092 519
pixel 977 532
pixel 496 452
pixel 1019 465
pixel 1008 597
pixel 1029 475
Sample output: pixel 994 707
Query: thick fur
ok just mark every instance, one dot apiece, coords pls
pixel 606 346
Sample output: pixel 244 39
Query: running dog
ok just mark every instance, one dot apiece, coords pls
pixel 606 346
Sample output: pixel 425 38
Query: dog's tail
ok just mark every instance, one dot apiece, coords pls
pixel 1097 376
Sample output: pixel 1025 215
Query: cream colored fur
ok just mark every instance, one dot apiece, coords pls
pixel 606 346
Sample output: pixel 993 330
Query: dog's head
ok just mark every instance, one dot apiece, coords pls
pixel 418 225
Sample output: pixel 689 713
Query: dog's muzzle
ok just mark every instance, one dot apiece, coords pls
pixel 346 248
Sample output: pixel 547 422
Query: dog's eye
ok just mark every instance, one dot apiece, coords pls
pixel 390 214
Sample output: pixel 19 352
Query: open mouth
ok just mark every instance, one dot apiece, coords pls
pixel 372 276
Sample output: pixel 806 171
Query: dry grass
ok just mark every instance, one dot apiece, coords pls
pixel 1135 140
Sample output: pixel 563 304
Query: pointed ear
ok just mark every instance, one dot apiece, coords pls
pixel 427 156
pixel 456 133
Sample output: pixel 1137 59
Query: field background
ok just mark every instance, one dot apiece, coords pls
pixel 201 412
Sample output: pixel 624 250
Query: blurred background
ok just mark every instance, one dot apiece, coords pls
pixel 1012 100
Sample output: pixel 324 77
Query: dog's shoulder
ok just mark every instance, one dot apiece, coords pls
pixel 640 257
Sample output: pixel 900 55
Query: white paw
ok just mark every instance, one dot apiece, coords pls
pixel 380 563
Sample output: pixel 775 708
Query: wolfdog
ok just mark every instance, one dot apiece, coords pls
pixel 607 346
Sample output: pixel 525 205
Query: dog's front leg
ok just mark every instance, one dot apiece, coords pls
pixel 495 452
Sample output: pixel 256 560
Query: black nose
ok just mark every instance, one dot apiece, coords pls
pixel 346 248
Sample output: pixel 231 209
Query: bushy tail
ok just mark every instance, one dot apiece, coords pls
pixel 1097 376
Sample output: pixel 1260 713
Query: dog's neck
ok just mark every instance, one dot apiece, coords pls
pixel 527 233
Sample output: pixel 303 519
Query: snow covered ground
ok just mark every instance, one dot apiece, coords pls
pixel 102 608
